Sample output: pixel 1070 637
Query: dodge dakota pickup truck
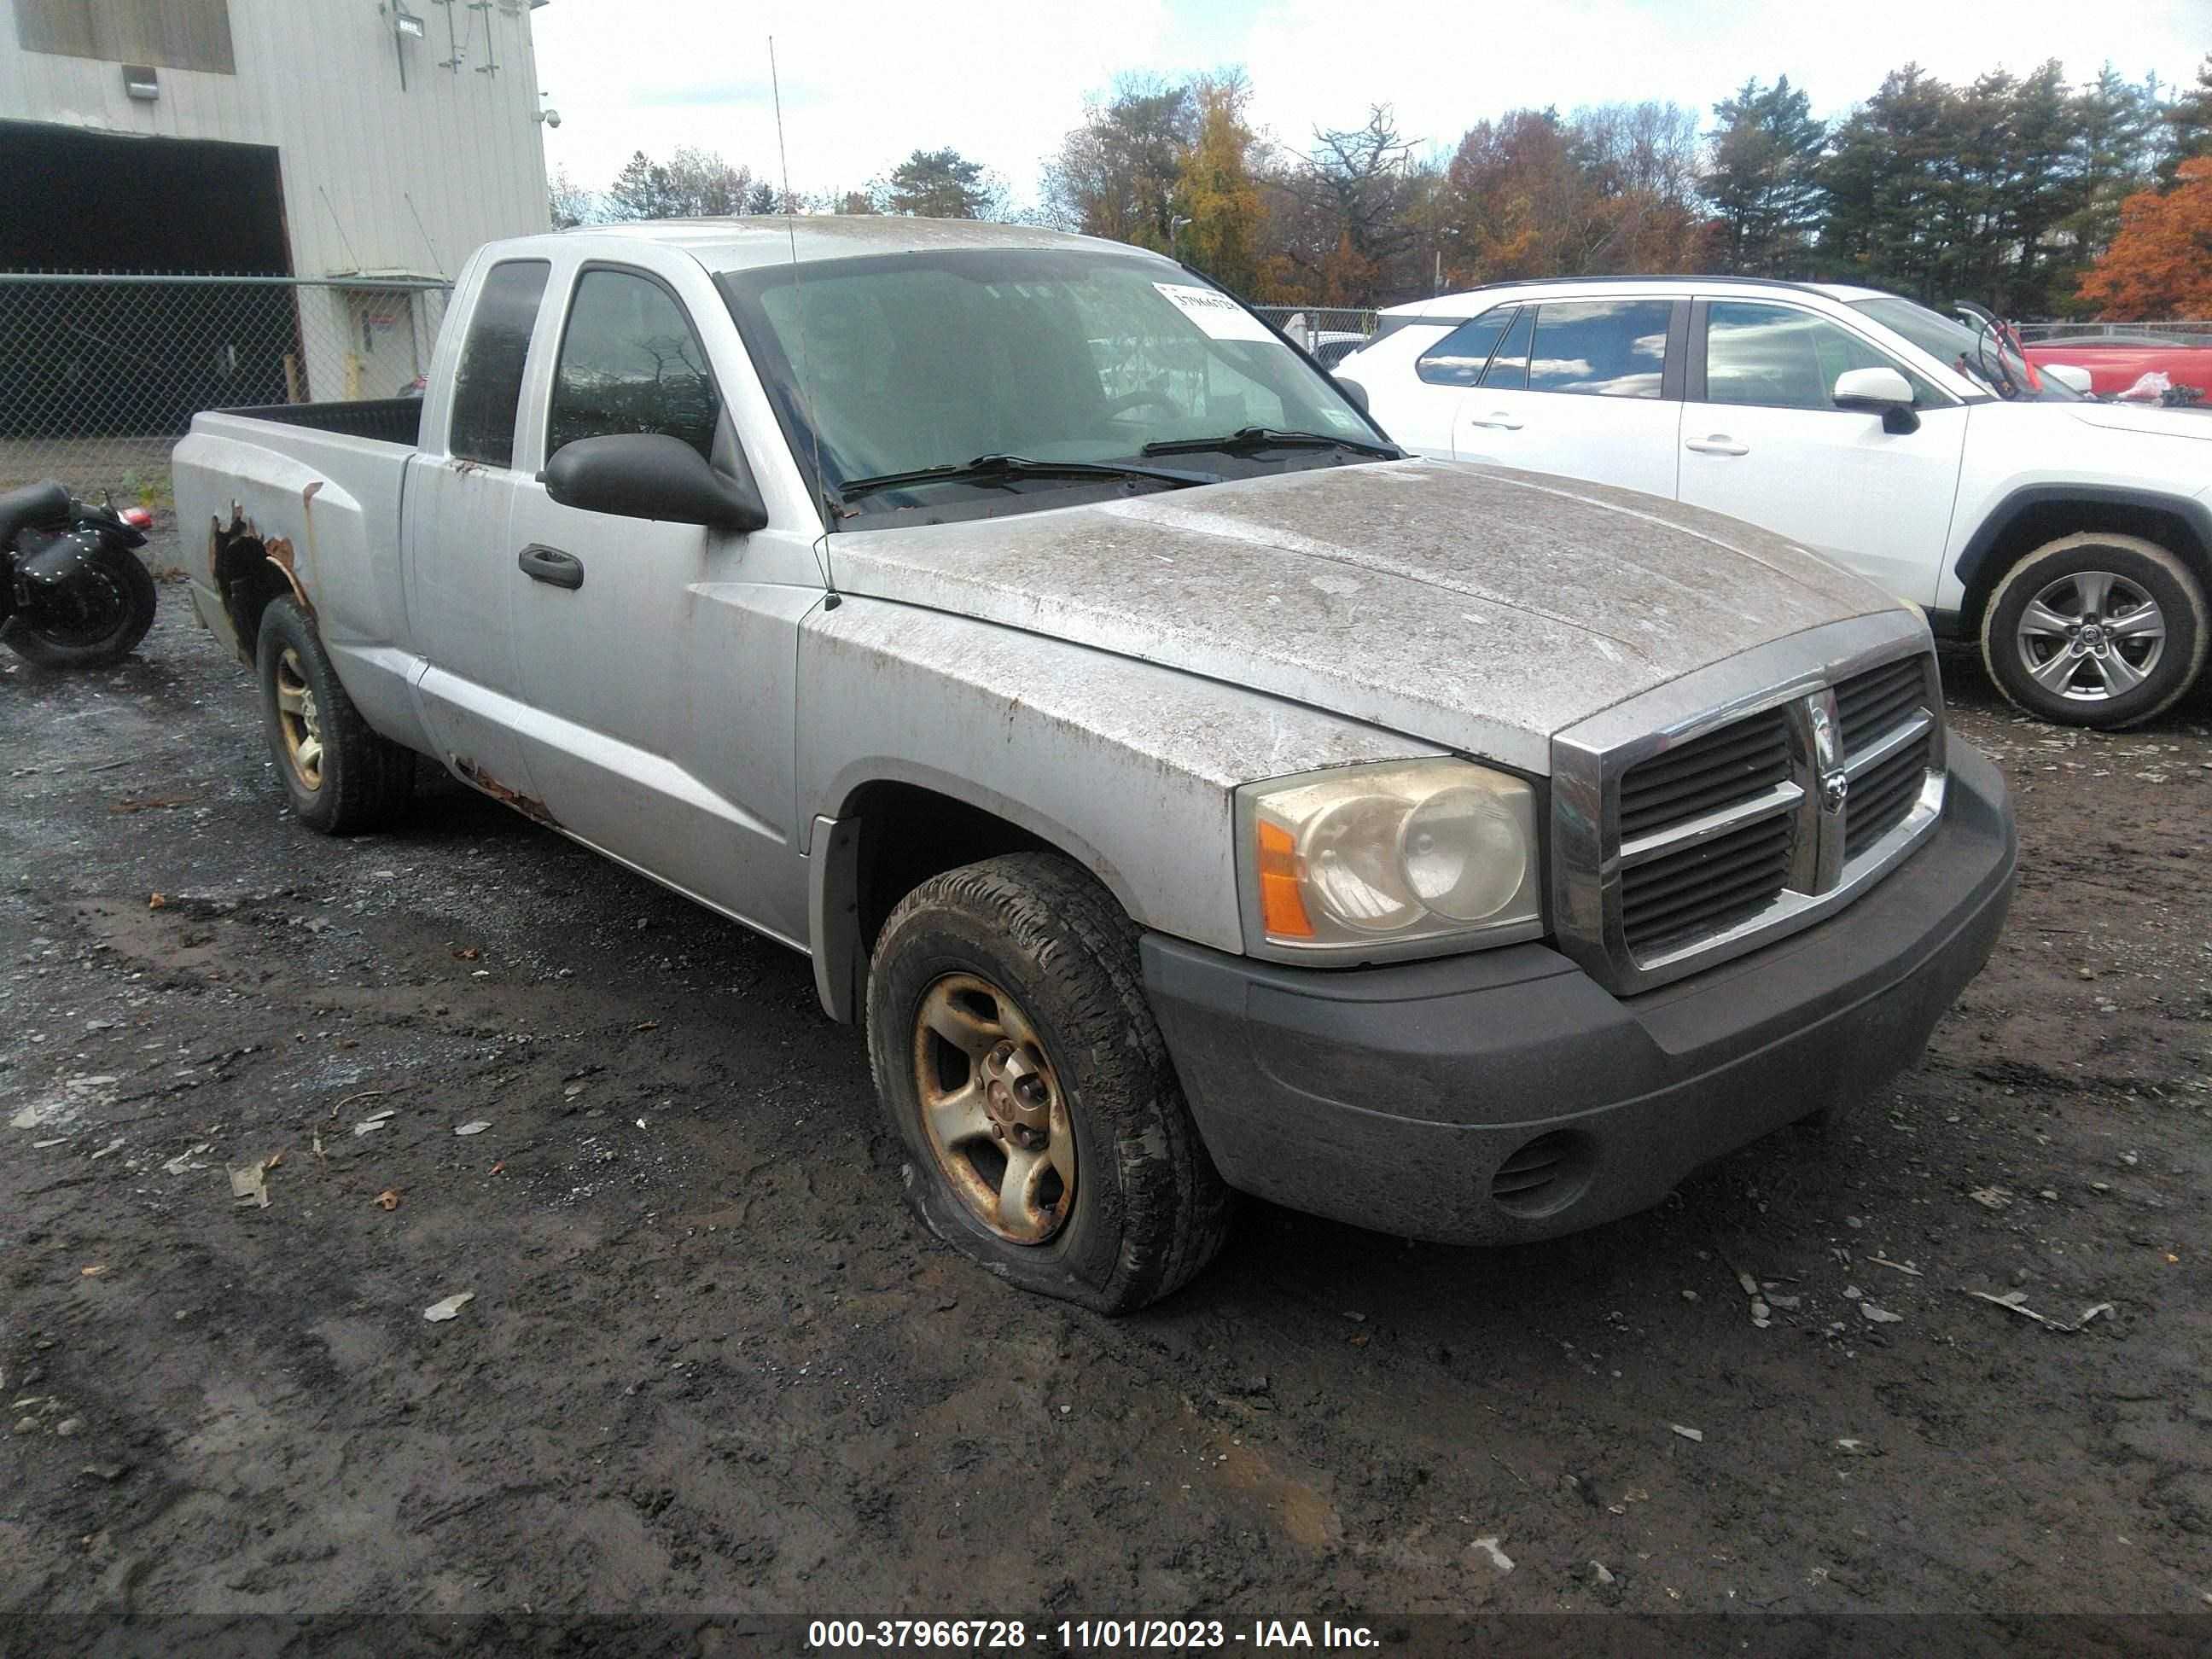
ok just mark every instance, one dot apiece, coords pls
pixel 1189 792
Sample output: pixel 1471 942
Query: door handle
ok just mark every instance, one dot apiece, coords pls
pixel 1719 444
pixel 551 565
pixel 1497 417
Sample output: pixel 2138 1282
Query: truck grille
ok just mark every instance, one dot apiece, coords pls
pixel 1710 844
pixel 1676 882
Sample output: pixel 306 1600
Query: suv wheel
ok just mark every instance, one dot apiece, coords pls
pixel 2096 629
pixel 1044 1132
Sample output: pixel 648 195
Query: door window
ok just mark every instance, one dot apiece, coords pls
pixel 1459 357
pixel 1601 347
pixel 1779 357
pixel 487 385
pixel 1509 368
pixel 630 363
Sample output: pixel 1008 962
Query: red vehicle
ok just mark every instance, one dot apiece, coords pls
pixel 2117 361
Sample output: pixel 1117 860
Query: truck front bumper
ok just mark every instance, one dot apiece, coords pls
pixel 1504 1096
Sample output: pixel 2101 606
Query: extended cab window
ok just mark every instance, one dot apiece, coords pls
pixel 1461 356
pixel 487 385
pixel 630 363
pixel 1601 348
pixel 1780 357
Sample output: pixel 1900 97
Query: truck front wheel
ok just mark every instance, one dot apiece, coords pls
pixel 2096 629
pixel 1043 1129
pixel 342 777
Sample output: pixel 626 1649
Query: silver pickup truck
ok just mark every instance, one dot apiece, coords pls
pixel 1189 793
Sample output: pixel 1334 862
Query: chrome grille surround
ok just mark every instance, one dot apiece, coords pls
pixel 1792 855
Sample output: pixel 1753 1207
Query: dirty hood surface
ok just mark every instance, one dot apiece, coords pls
pixel 1471 607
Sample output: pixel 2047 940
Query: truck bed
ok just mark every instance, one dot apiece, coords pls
pixel 387 419
pixel 315 490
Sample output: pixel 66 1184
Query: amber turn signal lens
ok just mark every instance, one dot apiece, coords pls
pixel 1282 907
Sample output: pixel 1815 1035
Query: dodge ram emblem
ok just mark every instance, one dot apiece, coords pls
pixel 1834 786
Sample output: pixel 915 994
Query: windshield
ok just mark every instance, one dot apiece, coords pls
pixel 915 361
pixel 1976 355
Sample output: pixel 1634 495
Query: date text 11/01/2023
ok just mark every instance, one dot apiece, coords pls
pixel 1086 1635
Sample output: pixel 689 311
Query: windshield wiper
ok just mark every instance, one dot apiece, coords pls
pixel 1268 437
pixel 998 469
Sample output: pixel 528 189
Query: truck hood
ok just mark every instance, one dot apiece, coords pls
pixel 1475 608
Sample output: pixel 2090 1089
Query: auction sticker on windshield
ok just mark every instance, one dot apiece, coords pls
pixel 1217 314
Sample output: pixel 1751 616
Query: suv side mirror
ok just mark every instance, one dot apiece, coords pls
pixel 2069 375
pixel 1355 392
pixel 1882 391
pixel 650 475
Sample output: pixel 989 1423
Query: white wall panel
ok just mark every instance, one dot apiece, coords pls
pixel 319 80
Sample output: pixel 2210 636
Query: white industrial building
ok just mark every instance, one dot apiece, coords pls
pixel 315 139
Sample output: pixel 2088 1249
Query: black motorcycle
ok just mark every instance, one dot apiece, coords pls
pixel 73 593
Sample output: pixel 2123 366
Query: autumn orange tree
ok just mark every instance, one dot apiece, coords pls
pixel 2160 263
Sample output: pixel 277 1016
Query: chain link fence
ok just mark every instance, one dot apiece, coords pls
pixel 1329 332
pixel 101 373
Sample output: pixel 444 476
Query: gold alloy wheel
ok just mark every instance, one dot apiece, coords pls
pixel 994 1112
pixel 299 719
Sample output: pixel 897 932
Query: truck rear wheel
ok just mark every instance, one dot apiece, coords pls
pixel 2096 629
pixel 342 777
pixel 1044 1130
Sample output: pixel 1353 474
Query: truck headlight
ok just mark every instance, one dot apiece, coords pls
pixel 1409 858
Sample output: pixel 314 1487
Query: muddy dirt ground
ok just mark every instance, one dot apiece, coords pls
pixel 710 1364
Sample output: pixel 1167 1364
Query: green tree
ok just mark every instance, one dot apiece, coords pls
pixel 1761 177
pixel 943 184
pixel 1882 182
pixel 1116 175
pixel 2188 124
pixel 2117 129
pixel 691 184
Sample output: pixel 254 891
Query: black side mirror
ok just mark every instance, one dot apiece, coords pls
pixel 650 475
pixel 1353 390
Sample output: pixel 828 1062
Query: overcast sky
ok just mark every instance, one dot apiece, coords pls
pixel 866 83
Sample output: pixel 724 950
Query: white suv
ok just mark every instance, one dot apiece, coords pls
pixel 2075 537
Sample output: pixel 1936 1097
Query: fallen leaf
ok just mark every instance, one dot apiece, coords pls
pixel 475 1127
pixel 151 805
pixel 646 1025
pixel 156 902
pixel 467 953
pixel 1361 1340
pixel 439 1312
pixel 250 1187
pixel 497 1167
pixel 388 1199
pixel 94 1271
pixel 273 1159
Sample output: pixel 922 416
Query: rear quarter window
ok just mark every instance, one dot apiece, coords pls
pixel 1461 356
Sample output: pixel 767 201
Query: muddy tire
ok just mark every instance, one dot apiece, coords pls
pixel 1044 1133
pixel 2096 629
pixel 129 599
pixel 343 778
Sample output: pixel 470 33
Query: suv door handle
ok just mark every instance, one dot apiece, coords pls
pixel 551 565
pixel 1719 444
pixel 1497 417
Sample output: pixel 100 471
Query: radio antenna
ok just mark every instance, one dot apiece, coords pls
pixel 799 299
